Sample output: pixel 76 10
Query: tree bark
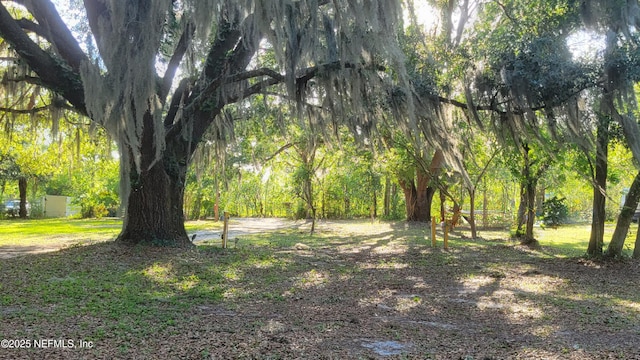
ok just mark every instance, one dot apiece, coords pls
pixel 374 205
pixel 410 199
pixel 527 209
pixel 443 212
pixel 599 188
pixel 22 189
pixel 154 214
pixel 624 220
pixel 540 200
pixel 418 199
pixel 387 197
pixel 530 213
pixel 216 205
pixel 472 212
pixel 419 192
pixel 636 247
pixel 522 208
pixel 485 206
pixel 155 206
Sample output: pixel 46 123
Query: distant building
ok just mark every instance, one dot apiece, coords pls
pixel 59 206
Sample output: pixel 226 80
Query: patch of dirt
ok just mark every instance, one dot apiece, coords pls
pixel 7 252
pixel 246 226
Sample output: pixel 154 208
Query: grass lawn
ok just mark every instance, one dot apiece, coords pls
pixel 353 290
pixel 572 240
pixel 51 231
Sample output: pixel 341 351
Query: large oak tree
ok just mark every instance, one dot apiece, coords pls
pixel 159 119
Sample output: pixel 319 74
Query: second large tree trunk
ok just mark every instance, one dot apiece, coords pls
pixel 472 212
pixel 624 220
pixel 530 214
pixel 418 198
pixel 22 189
pixel 599 188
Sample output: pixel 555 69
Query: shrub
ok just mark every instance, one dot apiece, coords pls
pixel 555 211
pixel 94 211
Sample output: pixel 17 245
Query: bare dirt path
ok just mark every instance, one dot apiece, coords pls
pixel 246 226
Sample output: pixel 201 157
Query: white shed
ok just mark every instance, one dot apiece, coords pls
pixel 59 206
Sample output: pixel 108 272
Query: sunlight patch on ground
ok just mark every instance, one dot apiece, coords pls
pixel 538 284
pixel 232 274
pixel 393 247
pixel 627 305
pixel 419 282
pixel 188 282
pixel 312 278
pixel 267 263
pixel 354 249
pixel 387 300
pixel 524 311
pixel 384 264
pixel 473 284
pixel 164 274
pixel 273 326
pixel 486 303
pixel 160 273
pixel 545 331
pixel 408 302
pixel 377 300
pixel 235 293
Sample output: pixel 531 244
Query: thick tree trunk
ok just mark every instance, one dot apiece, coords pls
pixel 419 193
pixel 425 194
pixel 410 199
pixel 155 209
pixel 154 214
pixel 527 209
pixel 599 188
pixel 418 200
pixel 22 188
pixel 624 220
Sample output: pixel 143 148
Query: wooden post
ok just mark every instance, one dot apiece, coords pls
pixel 446 235
pixel 225 230
pixel 433 231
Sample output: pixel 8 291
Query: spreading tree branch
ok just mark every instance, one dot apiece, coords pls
pixel 99 22
pixel 54 73
pixel 57 32
pixel 28 79
pixel 176 58
pixel 14 111
pixel 283 148
pixel 176 99
pixel 33 27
